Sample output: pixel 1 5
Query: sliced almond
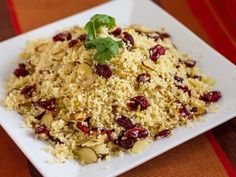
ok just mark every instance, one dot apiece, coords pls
pixel 87 82
pixel 139 146
pixel 41 47
pixel 13 90
pixel 68 68
pixel 95 141
pixel 84 71
pixel 149 64
pixel 141 28
pixel 47 119
pixel 101 149
pixel 86 155
pixel 198 103
pixel 59 55
pixel 57 51
pixel 200 112
pixel 152 34
pixel 78 116
pixel 86 75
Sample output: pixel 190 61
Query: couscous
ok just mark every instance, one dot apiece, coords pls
pixel 102 90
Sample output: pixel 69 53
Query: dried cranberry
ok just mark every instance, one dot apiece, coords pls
pixel 108 133
pixel 144 77
pixel 83 128
pixel 190 63
pixel 143 133
pixel 162 133
pixel 103 70
pixel 178 79
pixel 137 101
pixel 40 116
pixel 82 37
pixel 127 143
pixel 47 104
pixel 125 122
pixel 116 32
pixel 41 129
pixel 137 132
pixel 62 37
pixel 213 96
pixel 184 112
pixel 156 51
pixel 72 43
pixel 21 71
pixel 128 40
pixel 28 90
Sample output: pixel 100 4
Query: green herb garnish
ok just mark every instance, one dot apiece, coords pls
pixel 106 48
pixel 98 20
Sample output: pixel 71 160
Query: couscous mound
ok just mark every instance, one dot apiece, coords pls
pixel 93 97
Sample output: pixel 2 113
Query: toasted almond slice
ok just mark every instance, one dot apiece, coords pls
pixel 57 51
pixel 68 68
pixel 12 90
pixel 95 141
pixel 59 55
pixel 84 71
pixel 87 82
pixel 41 47
pixel 149 64
pixel 86 75
pixel 84 68
pixel 47 119
pixel 78 116
pixel 200 112
pixel 139 146
pixel 86 155
pixel 141 28
pixel 101 149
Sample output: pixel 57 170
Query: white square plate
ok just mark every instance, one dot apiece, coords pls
pixel 126 12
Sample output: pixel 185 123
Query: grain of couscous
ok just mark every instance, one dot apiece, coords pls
pixel 102 90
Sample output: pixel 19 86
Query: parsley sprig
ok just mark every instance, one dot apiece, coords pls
pixel 106 47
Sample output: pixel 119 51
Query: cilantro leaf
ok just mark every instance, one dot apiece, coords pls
pixel 91 31
pixel 106 48
pixel 98 20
